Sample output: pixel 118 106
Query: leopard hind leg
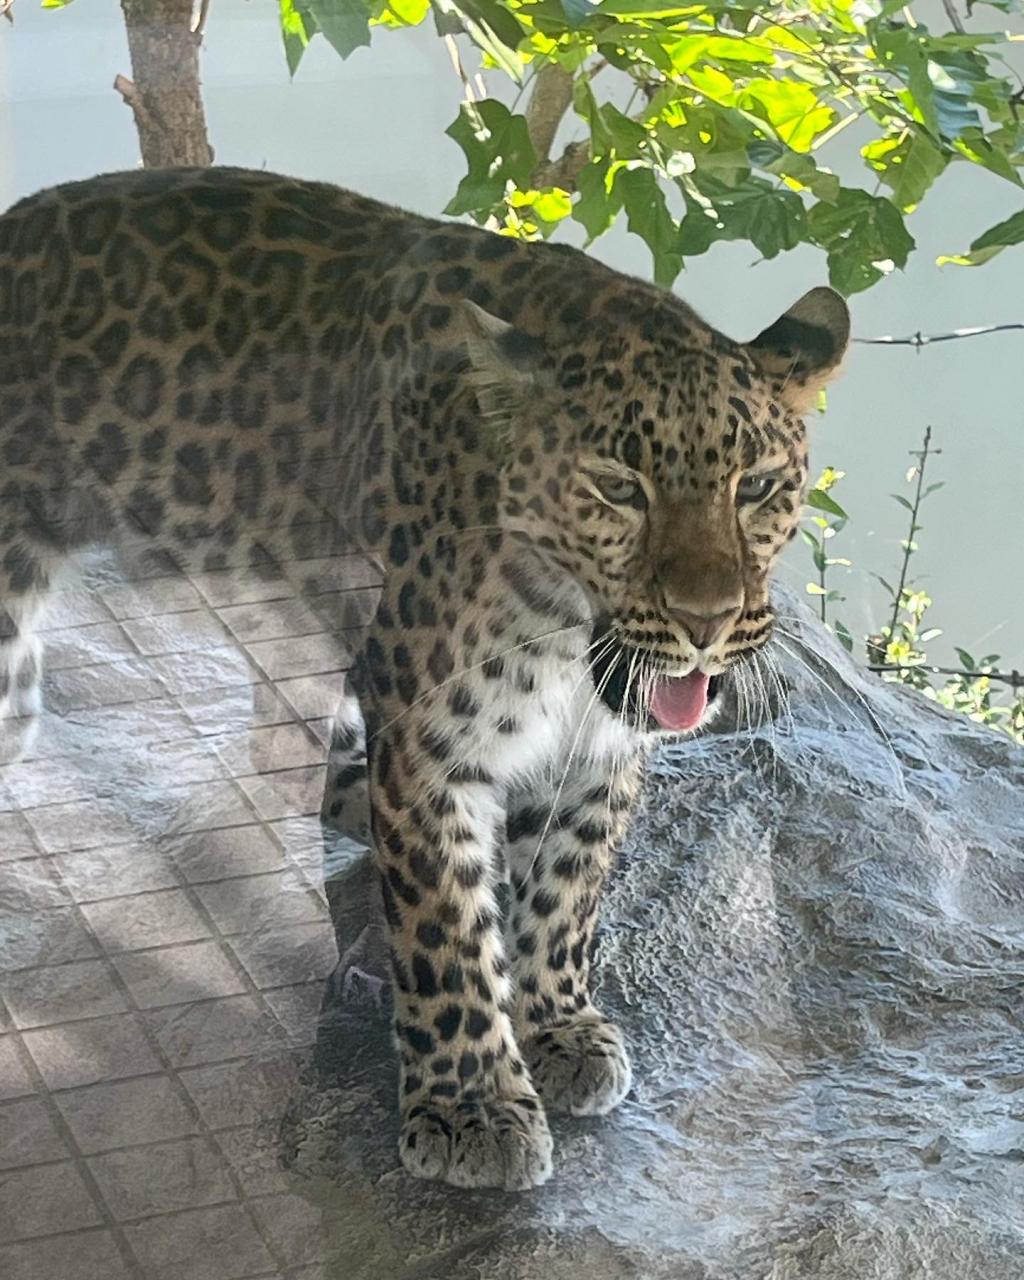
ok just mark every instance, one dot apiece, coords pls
pixel 351 880
pixel 346 800
pixel 24 590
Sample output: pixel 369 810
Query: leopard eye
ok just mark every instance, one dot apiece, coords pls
pixel 754 488
pixel 620 490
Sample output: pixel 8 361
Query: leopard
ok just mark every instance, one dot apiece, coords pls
pixel 576 490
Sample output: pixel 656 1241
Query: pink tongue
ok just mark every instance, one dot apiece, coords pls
pixel 678 702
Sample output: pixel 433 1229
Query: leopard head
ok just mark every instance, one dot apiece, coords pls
pixel 662 466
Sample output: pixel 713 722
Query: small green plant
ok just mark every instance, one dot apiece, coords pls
pixel 900 645
pixel 898 651
pixel 826 520
pixel 970 692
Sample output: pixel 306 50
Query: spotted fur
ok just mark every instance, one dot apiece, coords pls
pixel 553 463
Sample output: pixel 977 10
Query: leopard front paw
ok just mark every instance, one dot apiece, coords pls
pixel 478 1141
pixel 579 1066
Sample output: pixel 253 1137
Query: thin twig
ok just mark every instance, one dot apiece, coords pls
pixel 822 569
pixel 460 70
pixel 908 546
pixel 924 339
pixel 953 16
pixel 132 98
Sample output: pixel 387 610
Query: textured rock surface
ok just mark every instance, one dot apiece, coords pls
pixel 815 945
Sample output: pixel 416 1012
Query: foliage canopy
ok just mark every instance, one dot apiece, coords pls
pixel 708 121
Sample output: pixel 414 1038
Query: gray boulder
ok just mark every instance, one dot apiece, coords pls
pixel 815 945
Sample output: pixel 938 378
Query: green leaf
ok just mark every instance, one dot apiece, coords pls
pixel 799 171
pixel 498 151
pixel 649 218
pixel 576 12
pixel 956 114
pixel 631 46
pixel 820 500
pixel 545 209
pixel 501 21
pixel 599 198
pixel 864 237
pixel 297 29
pixel 693 49
pixel 954 74
pixel 843 636
pixel 345 23
pixel 496 31
pixel 770 217
pixel 898 497
pixel 627 136
pixel 643 8
pixel 976 147
pixel 908 163
pixel 586 105
pixel 993 241
pixel 902 51
pixel 400 13
pixel 490 26
pixel 794 110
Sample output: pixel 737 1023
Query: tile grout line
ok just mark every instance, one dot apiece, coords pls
pixel 173 1074
pixel 169 1070
pixel 196 1003
pixel 77 1158
pixel 251 989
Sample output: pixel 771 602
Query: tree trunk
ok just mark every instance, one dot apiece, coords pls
pixel 165 95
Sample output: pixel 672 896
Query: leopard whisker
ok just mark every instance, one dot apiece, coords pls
pixel 868 709
pixel 747 721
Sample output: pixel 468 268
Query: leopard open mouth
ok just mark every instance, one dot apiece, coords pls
pixel 614 670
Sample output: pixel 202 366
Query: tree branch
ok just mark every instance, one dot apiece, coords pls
pixel 953 16
pixel 132 98
pixel 164 92
pixel 549 101
pixel 565 171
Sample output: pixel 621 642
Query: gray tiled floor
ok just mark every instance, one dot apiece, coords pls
pixel 163 934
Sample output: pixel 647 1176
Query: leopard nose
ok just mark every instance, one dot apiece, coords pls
pixel 703 628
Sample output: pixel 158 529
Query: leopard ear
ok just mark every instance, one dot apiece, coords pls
pixel 505 364
pixel 804 347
